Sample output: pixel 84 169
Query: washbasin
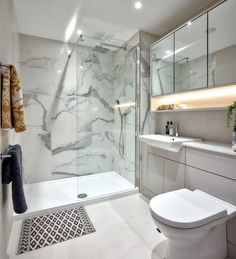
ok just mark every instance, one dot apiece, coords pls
pixel 165 142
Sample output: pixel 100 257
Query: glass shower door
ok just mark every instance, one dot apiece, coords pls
pixel 106 139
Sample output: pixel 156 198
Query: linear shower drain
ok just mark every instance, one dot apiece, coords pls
pixel 82 195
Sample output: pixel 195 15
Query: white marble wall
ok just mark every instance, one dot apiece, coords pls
pixel 125 62
pixel 132 73
pixel 147 118
pixel 75 129
pixel 70 127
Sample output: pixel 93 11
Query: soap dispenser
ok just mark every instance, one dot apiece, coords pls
pixel 171 129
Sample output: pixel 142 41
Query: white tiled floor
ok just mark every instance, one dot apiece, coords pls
pixel 46 195
pixel 124 230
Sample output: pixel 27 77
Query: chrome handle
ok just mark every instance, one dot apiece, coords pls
pixel 4 156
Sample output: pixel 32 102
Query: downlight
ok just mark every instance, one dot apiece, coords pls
pixel 138 5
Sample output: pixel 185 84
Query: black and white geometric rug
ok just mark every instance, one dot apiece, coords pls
pixel 53 228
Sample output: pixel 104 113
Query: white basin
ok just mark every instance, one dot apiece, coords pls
pixel 169 143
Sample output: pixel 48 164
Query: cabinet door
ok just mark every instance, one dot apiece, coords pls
pixel 218 186
pixel 191 55
pixel 162 67
pixel 174 175
pixel 222 44
pixel 155 173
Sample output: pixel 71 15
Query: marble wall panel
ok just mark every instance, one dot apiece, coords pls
pixel 70 122
pixel 147 118
pixel 73 122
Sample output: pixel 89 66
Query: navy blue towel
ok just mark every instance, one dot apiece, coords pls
pixel 12 172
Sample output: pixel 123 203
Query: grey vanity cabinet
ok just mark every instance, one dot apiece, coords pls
pixel 160 174
pixel 174 176
pixel 155 174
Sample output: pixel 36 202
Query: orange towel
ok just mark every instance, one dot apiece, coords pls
pixel 12 101
pixel 6 100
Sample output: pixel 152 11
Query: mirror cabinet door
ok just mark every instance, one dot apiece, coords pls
pixel 163 67
pixel 191 55
pixel 222 44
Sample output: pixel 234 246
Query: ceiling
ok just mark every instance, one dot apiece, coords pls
pixel 102 19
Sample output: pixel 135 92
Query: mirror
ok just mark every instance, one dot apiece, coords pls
pixel 222 44
pixel 163 67
pixel 201 53
pixel 191 55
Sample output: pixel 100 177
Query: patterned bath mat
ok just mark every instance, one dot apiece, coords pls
pixel 53 228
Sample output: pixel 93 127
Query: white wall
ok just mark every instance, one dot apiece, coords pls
pixel 207 125
pixel 8 55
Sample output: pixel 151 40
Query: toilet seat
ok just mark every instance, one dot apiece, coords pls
pixel 187 209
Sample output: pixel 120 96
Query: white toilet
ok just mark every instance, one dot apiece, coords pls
pixel 193 222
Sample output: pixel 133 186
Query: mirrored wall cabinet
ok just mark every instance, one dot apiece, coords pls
pixel 163 66
pixel 200 54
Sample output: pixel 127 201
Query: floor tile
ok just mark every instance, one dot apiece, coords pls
pixel 124 230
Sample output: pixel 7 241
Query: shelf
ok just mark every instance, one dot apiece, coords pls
pixel 201 100
pixel 193 110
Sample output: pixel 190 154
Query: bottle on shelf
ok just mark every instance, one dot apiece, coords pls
pixel 171 129
pixel 167 127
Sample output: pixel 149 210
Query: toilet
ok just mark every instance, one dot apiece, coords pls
pixel 193 222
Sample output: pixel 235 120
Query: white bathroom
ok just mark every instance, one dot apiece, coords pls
pixel 118 129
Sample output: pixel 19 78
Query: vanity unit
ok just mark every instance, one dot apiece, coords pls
pixel 196 165
pixel 193 68
pixel 161 170
pixel 209 167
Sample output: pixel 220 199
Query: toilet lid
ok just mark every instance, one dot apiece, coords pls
pixel 187 209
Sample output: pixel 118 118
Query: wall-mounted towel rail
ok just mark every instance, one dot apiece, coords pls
pixel 4 65
pixel 4 156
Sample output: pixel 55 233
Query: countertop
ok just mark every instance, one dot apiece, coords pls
pixel 213 147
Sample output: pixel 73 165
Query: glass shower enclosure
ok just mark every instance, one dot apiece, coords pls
pixel 80 103
pixel 105 118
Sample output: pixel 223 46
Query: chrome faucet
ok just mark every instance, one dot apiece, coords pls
pixel 176 125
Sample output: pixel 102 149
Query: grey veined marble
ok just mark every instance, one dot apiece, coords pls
pixel 74 126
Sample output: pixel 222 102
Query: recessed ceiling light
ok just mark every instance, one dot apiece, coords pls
pixel 59 71
pixel 168 52
pixel 189 23
pixel 68 51
pixel 81 66
pixel 79 32
pixel 138 5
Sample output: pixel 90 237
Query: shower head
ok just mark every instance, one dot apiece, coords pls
pixel 101 49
